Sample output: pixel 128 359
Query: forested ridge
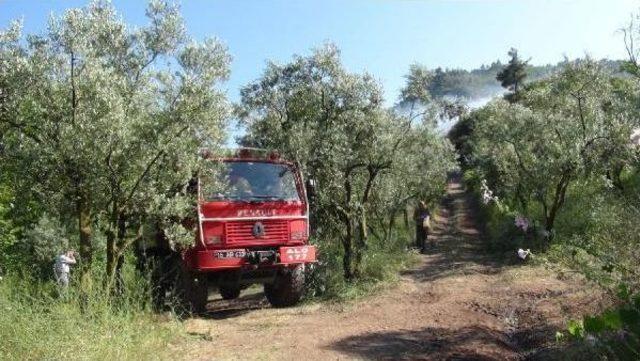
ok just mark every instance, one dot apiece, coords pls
pixel 102 127
pixel 482 83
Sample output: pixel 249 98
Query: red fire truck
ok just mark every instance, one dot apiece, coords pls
pixel 252 227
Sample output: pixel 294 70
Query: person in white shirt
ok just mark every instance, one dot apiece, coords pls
pixel 62 267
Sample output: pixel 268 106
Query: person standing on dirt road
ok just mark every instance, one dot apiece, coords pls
pixel 422 218
pixel 62 267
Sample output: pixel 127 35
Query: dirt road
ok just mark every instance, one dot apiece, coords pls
pixel 457 304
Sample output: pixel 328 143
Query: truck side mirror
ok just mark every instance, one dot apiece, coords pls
pixel 311 187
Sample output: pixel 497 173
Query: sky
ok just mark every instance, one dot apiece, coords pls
pixel 382 37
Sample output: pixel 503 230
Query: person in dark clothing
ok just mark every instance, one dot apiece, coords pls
pixel 422 218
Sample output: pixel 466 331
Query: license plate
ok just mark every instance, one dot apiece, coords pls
pixel 301 254
pixel 230 253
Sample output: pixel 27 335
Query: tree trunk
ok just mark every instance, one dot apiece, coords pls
pixel 548 225
pixel 348 252
pixel 83 213
pixel 362 236
pixel 111 259
pixel 347 241
pixel 615 175
pixel 115 258
pixel 523 201
pixel 558 202
pixel 119 279
pixel 85 233
pixel 361 243
pixel 550 220
pixel 390 226
pixel 120 245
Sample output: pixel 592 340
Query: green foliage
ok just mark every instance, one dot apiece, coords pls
pixel 44 242
pixel 98 131
pixel 513 74
pixel 498 220
pixel 561 154
pixel 38 324
pixel 567 127
pixel 600 235
pixel 8 232
pixel 575 329
pixel 368 162
pixel 615 333
pixel 481 82
pixel 381 266
pixel 460 135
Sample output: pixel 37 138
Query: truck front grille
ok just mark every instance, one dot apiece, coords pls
pixel 242 231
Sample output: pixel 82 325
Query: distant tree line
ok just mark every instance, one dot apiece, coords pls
pixel 484 81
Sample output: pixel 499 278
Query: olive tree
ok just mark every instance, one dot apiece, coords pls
pixel 335 125
pixel 316 113
pixel 104 121
pixel 421 167
pixel 563 128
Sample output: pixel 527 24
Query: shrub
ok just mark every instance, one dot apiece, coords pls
pixel 614 333
pixel 380 265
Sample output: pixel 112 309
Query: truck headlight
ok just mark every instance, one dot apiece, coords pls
pixel 211 240
pixel 298 230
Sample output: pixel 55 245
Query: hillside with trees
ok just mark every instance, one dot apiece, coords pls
pixel 483 82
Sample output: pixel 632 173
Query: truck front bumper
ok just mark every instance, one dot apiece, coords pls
pixel 222 259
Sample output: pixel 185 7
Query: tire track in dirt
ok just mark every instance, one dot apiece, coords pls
pixel 458 303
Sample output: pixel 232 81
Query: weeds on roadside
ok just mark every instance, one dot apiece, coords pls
pixel 38 323
pixel 381 265
pixel 613 334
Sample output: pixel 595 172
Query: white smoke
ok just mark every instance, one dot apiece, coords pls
pixel 445 124
pixel 474 104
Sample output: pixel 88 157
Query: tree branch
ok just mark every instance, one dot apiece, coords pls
pixel 147 168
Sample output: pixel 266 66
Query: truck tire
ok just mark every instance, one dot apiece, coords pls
pixel 287 288
pixel 158 296
pixel 164 268
pixel 192 293
pixel 229 292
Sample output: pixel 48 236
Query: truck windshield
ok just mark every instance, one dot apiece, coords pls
pixel 250 181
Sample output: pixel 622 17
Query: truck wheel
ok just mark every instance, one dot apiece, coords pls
pixel 229 292
pixel 158 294
pixel 287 288
pixel 165 270
pixel 192 293
pixel 199 295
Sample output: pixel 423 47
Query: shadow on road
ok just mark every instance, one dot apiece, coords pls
pixel 219 309
pixel 425 344
pixel 469 343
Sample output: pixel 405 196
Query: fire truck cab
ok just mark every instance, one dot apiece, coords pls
pixel 253 227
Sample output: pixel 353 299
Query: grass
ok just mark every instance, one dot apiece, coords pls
pixel 381 265
pixel 37 324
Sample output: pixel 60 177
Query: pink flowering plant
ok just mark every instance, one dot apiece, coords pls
pixel 522 223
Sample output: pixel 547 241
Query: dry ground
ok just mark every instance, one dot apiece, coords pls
pixel 457 304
